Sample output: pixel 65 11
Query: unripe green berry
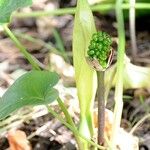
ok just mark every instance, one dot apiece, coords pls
pixel 100 48
pixel 91 52
pixel 100 39
pixel 103 64
pixel 102 57
pixel 96 50
pixel 97 53
pixel 106 42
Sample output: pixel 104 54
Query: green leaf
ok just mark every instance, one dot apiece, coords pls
pixel 32 88
pixel 8 6
pixel 85 76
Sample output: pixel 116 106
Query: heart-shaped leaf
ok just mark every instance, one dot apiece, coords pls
pixel 8 6
pixel 32 88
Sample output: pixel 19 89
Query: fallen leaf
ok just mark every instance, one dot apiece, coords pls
pixel 18 140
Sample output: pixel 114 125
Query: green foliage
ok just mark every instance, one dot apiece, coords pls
pixel 8 6
pixel 100 48
pixel 85 76
pixel 33 88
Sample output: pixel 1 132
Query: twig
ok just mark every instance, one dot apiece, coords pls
pixel 32 60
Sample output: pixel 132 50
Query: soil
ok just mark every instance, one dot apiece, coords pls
pixel 55 136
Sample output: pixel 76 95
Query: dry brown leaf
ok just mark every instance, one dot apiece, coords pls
pixel 18 140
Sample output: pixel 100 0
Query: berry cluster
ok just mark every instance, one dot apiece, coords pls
pixel 100 47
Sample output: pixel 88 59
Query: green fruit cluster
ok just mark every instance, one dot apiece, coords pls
pixel 100 47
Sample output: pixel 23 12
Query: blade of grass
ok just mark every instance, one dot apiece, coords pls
pixel 32 60
pixel 63 11
pixel 66 113
pixel 139 123
pixel 70 121
pixel 119 74
pixel 59 42
pixel 60 45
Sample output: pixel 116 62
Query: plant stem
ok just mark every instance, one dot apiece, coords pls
pixel 70 121
pixel 111 6
pixel 60 44
pixel 63 11
pixel 119 74
pixel 101 107
pixel 132 28
pixel 22 49
pixel 74 130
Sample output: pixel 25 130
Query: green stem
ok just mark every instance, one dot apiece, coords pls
pixel 22 49
pixel 70 121
pixel 66 113
pixel 63 11
pixel 105 7
pixel 119 74
pixel 101 107
pixel 60 45
pixel 74 130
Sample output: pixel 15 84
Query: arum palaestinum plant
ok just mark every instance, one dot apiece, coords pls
pixel 100 56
